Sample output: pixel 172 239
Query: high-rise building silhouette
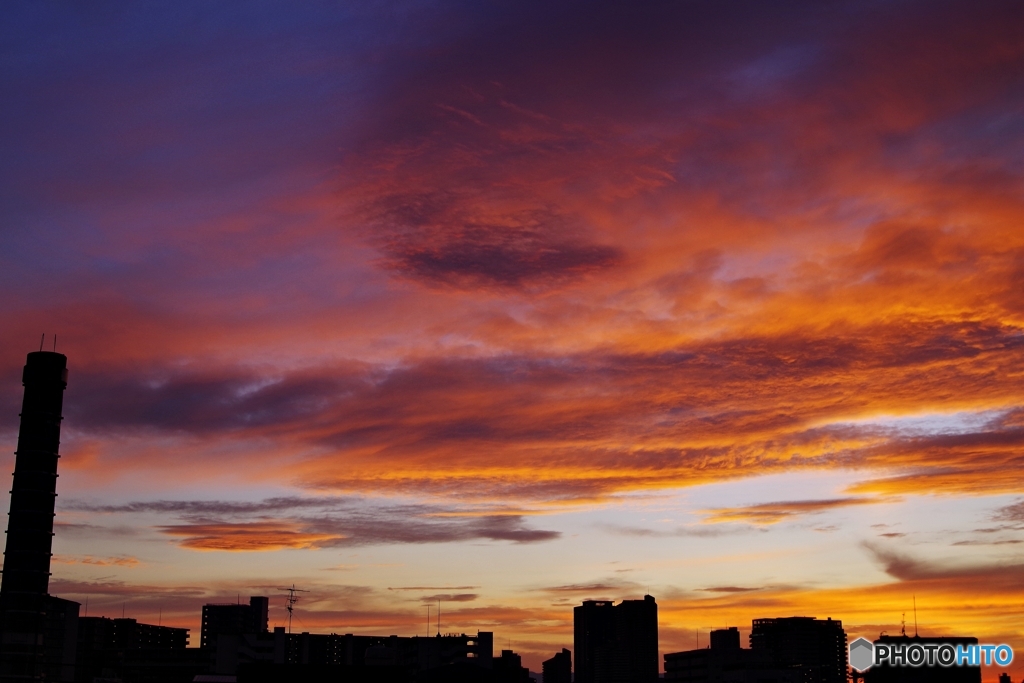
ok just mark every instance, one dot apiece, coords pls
pixel 616 643
pixel 593 640
pixel 817 646
pixel 27 639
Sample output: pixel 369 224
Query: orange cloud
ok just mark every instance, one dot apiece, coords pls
pixel 773 513
pixel 246 536
pixel 123 561
pixel 587 425
pixel 320 522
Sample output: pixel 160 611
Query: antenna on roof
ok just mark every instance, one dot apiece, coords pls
pixel 903 625
pixel 290 603
pixel 41 340
pixel 439 617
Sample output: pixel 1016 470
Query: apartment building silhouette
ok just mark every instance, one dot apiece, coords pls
pixel 616 643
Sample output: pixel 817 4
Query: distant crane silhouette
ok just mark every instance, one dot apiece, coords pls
pixel 292 599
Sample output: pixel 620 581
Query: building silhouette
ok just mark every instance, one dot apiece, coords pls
pixel 281 656
pixel 509 668
pixel 233 620
pixel 817 647
pixel 593 640
pixel 726 662
pixel 558 669
pixel 255 653
pixel 783 650
pixel 616 643
pixel 35 642
pixel 725 639
pixel 126 650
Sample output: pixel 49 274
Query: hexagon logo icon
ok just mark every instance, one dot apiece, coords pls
pixel 862 654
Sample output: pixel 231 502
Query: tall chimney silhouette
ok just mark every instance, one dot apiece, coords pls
pixel 26 572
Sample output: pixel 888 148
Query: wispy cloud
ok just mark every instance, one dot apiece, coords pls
pixel 585 588
pixel 120 561
pixel 999 576
pixel 432 588
pixel 321 523
pixel 680 532
pixel 441 239
pixel 1011 516
pixel 449 597
pixel 773 513
pixel 709 409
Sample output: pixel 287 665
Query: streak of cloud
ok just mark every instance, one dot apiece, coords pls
pixel 773 513
pixel 1005 576
pixel 703 418
pixel 326 522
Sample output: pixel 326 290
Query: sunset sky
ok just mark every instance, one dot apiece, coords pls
pixel 516 304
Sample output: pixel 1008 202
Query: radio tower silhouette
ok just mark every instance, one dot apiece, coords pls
pixel 292 599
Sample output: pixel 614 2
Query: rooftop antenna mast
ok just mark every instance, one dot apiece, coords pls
pixel 290 602
pixel 903 625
